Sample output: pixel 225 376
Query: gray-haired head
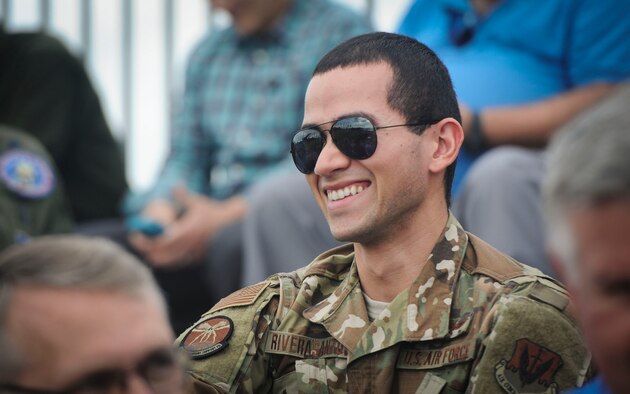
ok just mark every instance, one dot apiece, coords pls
pixel 588 162
pixel 72 262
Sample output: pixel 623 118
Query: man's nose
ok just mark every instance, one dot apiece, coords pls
pixel 331 159
pixel 136 384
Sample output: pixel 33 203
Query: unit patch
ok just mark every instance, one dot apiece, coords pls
pixel 208 337
pixel 26 174
pixel 435 358
pixel 530 370
pixel 304 347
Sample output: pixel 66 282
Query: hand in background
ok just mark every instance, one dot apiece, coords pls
pixel 185 238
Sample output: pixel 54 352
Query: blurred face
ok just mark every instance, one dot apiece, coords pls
pixel 87 339
pixel 253 16
pixel 602 290
pixel 367 200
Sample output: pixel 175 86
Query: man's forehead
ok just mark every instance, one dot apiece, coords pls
pixel 65 328
pixel 603 235
pixel 349 90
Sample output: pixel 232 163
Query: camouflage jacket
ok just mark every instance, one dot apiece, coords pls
pixel 473 321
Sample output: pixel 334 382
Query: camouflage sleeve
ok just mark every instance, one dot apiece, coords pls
pixel 531 344
pixel 225 345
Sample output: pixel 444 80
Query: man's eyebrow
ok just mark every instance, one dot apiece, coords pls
pixel 615 285
pixel 348 115
pixel 101 374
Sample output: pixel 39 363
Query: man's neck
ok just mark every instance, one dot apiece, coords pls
pixel 483 7
pixel 275 18
pixel 387 268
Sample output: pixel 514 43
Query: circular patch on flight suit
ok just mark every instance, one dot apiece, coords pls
pixel 26 174
pixel 208 337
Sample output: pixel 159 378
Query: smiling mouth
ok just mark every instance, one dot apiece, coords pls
pixel 339 194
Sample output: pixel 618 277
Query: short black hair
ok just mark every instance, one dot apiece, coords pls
pixel 421 88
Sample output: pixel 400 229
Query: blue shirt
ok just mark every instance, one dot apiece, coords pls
pixel 244 99
pixel 524 50
pixel 595 386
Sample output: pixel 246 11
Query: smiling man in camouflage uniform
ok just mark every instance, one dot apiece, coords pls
pixel 413 304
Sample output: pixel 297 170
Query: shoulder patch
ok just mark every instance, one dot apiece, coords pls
pixel 531 369
pixel 208 337
pixel 243 297
pixel 531 348
pixel 26 174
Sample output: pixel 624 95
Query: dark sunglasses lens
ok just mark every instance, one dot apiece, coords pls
pixel 305 149
pixel 355 137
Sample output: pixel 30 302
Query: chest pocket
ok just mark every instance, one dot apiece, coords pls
pixel 317 375
pixel 313 376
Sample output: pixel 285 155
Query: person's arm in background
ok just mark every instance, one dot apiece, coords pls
pixel 189 217
pixel 533 124
pixel 597 59
pixel 186 237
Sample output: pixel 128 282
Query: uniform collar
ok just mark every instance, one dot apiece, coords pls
pixel 424 308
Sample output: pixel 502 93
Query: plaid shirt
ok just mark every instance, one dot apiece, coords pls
pixel 244 99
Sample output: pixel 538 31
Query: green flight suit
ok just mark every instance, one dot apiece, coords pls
pixel 32 200
pixel 473 320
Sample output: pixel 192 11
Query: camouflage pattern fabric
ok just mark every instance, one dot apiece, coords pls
pixel 473 321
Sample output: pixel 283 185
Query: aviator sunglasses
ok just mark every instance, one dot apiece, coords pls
pixel 354 136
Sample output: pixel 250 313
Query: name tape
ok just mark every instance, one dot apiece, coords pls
pixel 304 347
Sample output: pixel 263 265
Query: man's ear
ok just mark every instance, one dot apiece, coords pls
pixel 449 136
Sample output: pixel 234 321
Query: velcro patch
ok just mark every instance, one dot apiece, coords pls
pixel 26 174
pixel 531 369
pixel 435 358
pixel 208 337
pixel 304 347
pixel 243 297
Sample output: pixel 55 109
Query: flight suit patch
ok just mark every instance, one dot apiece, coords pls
pixel 531 369
pixel 26 174
pixel 208 337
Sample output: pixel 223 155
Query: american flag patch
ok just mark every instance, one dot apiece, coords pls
pixel 245 296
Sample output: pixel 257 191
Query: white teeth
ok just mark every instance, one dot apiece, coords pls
pixel 335 195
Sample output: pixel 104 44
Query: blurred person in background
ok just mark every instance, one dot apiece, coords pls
pixel 243 98
pixel 81 315
pixel 45 92
pixel 521 70
pixel 586 194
